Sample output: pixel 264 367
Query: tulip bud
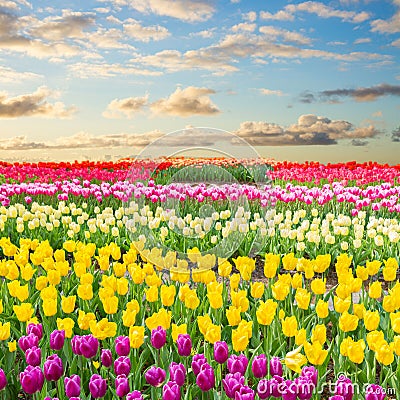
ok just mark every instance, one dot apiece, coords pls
pixel 97 386
pixel 72 386
pixel 121 385
pixel 205 380
pixel 259 366
pixel 36 329
pixel 221 352
pixel 122 345
pixel 26 342
pixel 197 361
pixel 184 343
pixel 375 392
pixel 135 395
pixel 53 368
pixel 155 376
pixel 57 339
pixel 237 363
pixel 275 366
pixel 89 346
pixel 106 357
pixel 232 383
pixel 31 379
pixel 122 366
pixel 33 356
pixel 177 373
pixel 171 391
pixel 3 379
pixel 159 337
pixel 344 387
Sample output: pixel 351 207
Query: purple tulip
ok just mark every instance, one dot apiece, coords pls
pixel 205 380
pixel 36 329
pixel 245 393
pixel 275 366
pixel 171 391
pixel 32 379
pixel 3 379
pixel 57 339
pixel 336 397
pixel 158 337
pixel 72 385
pixel 51 398
pixel 305 387
pixel 344 387
pixel 122 366
pixel 375 392
pixel 237 363
pixel 155 376
pixel 89 346
pixel 221 352
pixel 97 386
pixel 135 395
pixel 289 390
pixel 184 343
pixel 259 366
pixel 232 383
pixel 122 345
pixel 106 357
pixel 53 368
pixel 271 387
pixel 177 373
pixel 121 385
pixel 74 398
pixel 311 372
pixel 76 345
pixel 197 361
pixel 33 356
pixel 28 341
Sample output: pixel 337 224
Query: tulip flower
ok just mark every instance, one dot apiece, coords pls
pixel 205 379
pixel 311 373
pixel 122 345
pixel 197 361
pixel 221 352
pixel 259 366
pixel 245 393
pixel 237 363
pixel 121 385
pixel 375 392
pixel 159 337
pixel 135 395
pixel 57 339
pixel 275 366
pixel 171 391
pixel 106 358
pixel 72 386
pixel 184 343
pixel 232 383
pixel 177 373
pixel 88 346
pixel 36 329
pixel 3 379
pixel 28 341
pixel 33 356
pixel 31 379
pixel 155 376
pixel 53 368
pixel 97 386
pixel 122 366
pixel 344 387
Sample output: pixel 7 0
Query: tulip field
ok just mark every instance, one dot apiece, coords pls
pixel 186 278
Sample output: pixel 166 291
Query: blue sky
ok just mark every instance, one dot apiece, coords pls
pixel 316 80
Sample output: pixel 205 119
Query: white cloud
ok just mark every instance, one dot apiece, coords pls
pixel 185 10
pixel 391 25
pixel 287 36
pixel 269 92
pixel 362 40
pixel 186 102
pixel 309 130
pixel 244 27
pixel 9 75
pixel 145 33
pixel 396 43
pixel 251 16
pixel 128 107
pixel 34 105
pixel 278 16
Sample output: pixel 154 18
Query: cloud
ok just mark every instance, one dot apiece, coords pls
pixel 391 25
pixel 362 40
pixel 396 43
pixel 185 10
pixel 359 143
pixel 317 8
pixel 269 92
pixel 309 130
pixel 251 16
pixel 396 135
pixel 205 34
pixel 104 70
pixel 125 107
pixel 359 94
pixel 68 25
pixel 33 105
pixel 286 36
pixel 9 75
pixel 186 102
pixel 137 31
pixel 244 27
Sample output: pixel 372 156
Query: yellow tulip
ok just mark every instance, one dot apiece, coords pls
pixel 136 336
pixel 103 329
pixel 240 339
pixel 280 290
pixel 66 324
pixel 234 280
pixel 319 334
pixel 257 289
pixel 271 265
pixel 341 305
pixel 41 282
pixel 178 330
pixel 233 315
pixel 322 309
pixel 297 281
pixel 301 337
pixel 302 298
pixel 374 338
pixel 84 319
pixel 371 320
pixel 49 307
pixel 375 290
pixel 224 268
pixel 68 304
pixel 23 312
pixel 122 286
pixel 151 294
pixel 213 333
pixel 110 305
pixel 318 286
pixel 294 360
pixel 4 331
pixel 203 321
pixel 289 326
pixel 167 295
pixel 266 312
pixel 315 353
pixel 215 300
pixel 161 318
pixel 384 354
pixel 289 262
pixel 348 322
pixel 85 292
pixel 359 310
pixel 12 346
pixel 322 263
pixel 240 300
pixel 395 321
pixel 373 267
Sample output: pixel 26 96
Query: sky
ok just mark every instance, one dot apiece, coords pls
pixel 293 80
